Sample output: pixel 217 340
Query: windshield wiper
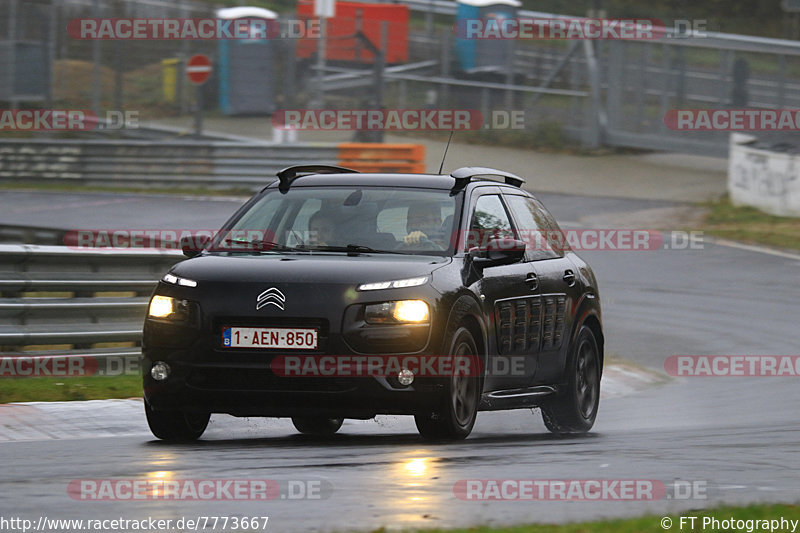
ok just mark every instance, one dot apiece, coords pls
pixel 355 249
pixel 257 245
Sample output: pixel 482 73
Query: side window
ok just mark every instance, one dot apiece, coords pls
pixel 536 227
pixel 489 220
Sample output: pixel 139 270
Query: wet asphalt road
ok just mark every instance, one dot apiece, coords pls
pixel 739 437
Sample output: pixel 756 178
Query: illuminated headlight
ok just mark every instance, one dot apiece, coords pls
pixel 175 280
pixel 166 307
pixel 400 312
pixel 397 284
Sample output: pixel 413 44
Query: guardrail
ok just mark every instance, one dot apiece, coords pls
pixel 185 163
pixel 57 301
pixel 126 162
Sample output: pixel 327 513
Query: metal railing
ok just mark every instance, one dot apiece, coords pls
pixel 150 163
pixel 76 299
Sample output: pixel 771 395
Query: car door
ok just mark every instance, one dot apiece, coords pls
pixel 559 287
pixel 507 295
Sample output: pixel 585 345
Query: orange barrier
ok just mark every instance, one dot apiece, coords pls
pixel 378 157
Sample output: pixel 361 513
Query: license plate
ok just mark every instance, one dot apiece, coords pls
pixel 283 338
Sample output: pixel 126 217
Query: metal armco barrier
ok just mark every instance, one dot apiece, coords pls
pixel 191 163
pixel 58 300
pixel 125 163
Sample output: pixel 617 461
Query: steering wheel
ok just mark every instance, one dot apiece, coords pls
pixel 423 244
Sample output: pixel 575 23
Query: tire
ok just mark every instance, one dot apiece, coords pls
pixel 454 418
pixel 317 425
pixel 575 408
pixel 175 426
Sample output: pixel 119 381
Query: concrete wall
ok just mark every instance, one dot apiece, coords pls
pixel 762 178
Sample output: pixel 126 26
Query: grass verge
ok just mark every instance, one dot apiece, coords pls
pixel 52 389
pixel 652 524
pixel 748 224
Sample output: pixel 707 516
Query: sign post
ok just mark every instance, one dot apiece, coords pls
pixel 198 70
pixel 324 9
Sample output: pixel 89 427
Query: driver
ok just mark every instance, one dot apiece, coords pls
pixel 321 227
pixel 423 222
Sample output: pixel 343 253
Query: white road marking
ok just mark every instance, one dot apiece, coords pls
pixel 753 248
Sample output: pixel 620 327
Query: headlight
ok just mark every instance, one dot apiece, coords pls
pixel 396 284
pixel 400 312
pixel 166 307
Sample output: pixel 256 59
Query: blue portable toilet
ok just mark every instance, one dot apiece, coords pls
pixel 246 66
pixel 483 55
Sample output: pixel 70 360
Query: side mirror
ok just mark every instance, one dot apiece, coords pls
pixel 192 246
pixel 498 252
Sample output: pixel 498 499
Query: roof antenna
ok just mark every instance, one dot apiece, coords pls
pixel 445 150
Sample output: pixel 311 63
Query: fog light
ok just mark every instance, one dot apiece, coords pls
pixel 405 377
pixel 159 371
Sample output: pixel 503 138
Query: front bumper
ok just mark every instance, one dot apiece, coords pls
pixel 206 378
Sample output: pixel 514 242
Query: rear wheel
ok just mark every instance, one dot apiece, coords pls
pixel 317 425
pixel 176 426
pixel 455 416
pixel 574 409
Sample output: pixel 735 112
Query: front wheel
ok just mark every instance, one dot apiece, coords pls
pixel 317 425
pixel 575 408
pixel 176 426
pixel 455 417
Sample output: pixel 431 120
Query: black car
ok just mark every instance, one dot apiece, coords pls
pixel 334 294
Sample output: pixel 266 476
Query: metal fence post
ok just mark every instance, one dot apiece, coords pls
pixel 445 43
pixel 614 79
pixel 12 52
pixel 594 132
pixel 96 81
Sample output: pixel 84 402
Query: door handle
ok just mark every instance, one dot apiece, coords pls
pixel 532 280
pixel 569 277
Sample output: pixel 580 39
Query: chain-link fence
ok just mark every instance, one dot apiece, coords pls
pixel 615 92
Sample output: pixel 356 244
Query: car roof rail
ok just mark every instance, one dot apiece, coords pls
pixel 289 174
pixel 464 175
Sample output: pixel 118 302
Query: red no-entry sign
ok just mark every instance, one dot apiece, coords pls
pixel 198 69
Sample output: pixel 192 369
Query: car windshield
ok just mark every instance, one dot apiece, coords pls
pixel 346 219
